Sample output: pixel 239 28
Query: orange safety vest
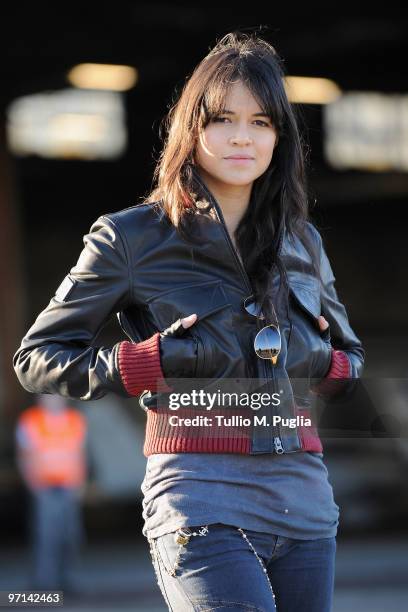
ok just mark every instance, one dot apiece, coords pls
pixel 54 454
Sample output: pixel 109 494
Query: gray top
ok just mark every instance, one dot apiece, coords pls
pixel 287 494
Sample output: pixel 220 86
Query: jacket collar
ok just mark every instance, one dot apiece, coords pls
pixel 206 201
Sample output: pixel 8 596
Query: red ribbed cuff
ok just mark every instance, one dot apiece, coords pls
pixel 340 365
pixel 340 368
pixel 140 366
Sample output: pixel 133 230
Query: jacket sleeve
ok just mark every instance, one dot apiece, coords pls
pixel 56 355
pixel 341 334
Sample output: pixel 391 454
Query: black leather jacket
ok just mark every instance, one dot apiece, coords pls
pixel 136 265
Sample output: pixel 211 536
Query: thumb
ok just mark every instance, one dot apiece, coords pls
pixel 189 321
pixel 323 324
pixel 177 328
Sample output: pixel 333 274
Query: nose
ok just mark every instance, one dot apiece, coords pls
pixel 241 137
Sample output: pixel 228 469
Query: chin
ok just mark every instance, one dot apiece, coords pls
pixel 238 179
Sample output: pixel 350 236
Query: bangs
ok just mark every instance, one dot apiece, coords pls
pixel 257 76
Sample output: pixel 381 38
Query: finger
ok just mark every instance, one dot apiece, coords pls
pixel 175 330
pixel 179 327
pixel 188 321
pixel 323 324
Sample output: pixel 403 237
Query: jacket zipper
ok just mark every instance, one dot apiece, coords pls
pixel 277 442
pixel 227 236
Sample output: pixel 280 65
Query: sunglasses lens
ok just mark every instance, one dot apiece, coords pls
pixel 267 343
pixel 253 308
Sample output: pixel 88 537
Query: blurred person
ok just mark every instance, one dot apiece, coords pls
pixel 50 438
pixel 217 275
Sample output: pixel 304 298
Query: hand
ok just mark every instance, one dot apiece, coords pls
pixel 178 354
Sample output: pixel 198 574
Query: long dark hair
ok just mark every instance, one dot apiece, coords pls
pixel 279 197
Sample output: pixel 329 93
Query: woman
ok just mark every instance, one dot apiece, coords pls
pixel 217 276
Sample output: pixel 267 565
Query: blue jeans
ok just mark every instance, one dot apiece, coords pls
pixel 223 567
pixel 56 535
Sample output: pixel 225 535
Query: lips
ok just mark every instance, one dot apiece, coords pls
pixel 239 157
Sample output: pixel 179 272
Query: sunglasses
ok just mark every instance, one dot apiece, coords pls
pixel 267 343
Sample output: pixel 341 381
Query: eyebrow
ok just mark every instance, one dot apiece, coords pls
pixel 225 111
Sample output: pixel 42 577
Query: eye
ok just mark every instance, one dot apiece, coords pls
pixel 219 119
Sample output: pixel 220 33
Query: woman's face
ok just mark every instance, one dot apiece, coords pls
pixel 237 146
